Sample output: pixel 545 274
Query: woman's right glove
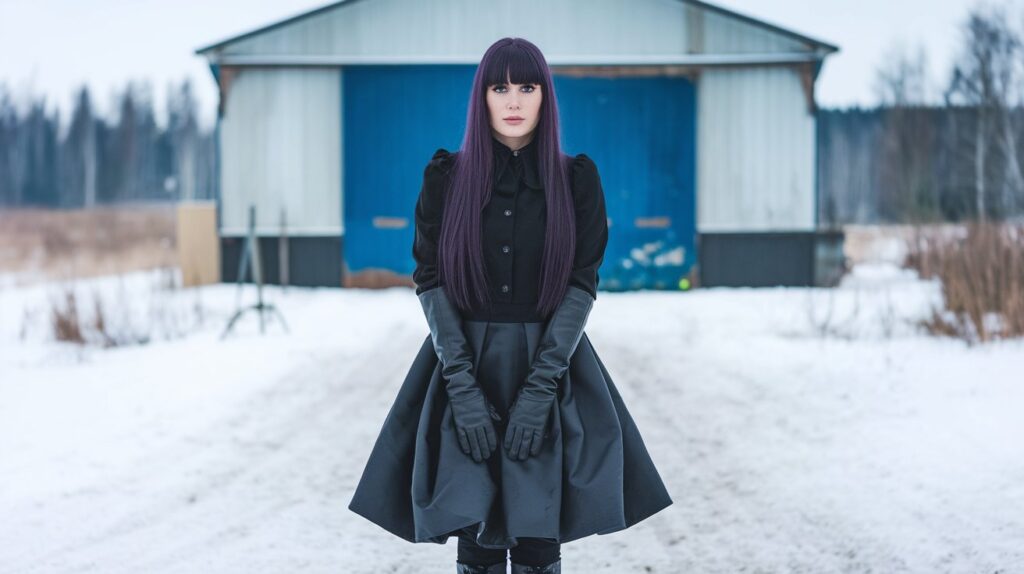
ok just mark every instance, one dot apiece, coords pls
pixel 471 410
pixel 530 411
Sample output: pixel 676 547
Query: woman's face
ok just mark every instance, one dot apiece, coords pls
pixel 509 101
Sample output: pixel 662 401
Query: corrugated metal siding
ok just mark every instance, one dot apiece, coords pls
pixel 725 35
pixel 755 158
pixel 281 148
pixel 460 30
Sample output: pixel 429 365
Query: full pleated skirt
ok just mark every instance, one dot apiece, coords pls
pixel 592 476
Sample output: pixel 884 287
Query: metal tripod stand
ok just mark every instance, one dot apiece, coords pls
pixel 251 251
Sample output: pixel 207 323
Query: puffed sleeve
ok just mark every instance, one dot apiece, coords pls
pixel 427 219
pixel 591 224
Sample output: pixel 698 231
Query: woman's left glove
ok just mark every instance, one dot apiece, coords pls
pixel 528 416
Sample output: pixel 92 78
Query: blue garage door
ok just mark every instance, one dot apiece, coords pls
pixel 394 117
pixel 639 131
pixel 641 134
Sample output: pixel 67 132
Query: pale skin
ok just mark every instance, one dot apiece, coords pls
pixel 510 100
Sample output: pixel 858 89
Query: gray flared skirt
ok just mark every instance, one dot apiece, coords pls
pixel 592 476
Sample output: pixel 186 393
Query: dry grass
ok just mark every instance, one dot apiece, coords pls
pixel 46 244
pixel 63 246
pixel 65 320
pixel 982 276
pixel 71 326
pixel 117 317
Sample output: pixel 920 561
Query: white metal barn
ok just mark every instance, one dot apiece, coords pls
pixel 705 140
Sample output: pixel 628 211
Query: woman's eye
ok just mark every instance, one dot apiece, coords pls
pixel 501 88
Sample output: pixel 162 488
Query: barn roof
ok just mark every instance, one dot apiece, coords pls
pixel 700 33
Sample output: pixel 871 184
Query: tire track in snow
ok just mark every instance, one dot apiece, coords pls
pixel 298 422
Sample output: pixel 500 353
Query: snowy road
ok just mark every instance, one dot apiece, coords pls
pixel 872 450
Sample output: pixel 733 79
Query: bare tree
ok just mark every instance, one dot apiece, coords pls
pixel 908 142
pixel 12 156
pixel 985 77
pixel 80 156
pixel 902 79
pixel 184 132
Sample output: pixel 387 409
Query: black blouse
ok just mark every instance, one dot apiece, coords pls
pixel 513 230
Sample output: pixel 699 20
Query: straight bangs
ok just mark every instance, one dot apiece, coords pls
pixel 512 64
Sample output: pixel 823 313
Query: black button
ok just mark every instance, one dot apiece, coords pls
pixel 508 212
pixel 504 288
pixel 505 248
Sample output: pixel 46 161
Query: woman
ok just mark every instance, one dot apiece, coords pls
pixel 508 431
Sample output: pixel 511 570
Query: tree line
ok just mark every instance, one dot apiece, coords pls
pixel 957 158
pixel 97 160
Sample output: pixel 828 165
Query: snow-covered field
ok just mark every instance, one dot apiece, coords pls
pixel 798 430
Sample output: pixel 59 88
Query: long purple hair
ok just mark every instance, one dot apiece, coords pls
pixel 460 249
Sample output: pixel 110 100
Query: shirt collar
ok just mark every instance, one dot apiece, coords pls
pixel 527 156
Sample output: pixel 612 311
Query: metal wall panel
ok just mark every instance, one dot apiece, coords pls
pixel 280 149
pixel 759 259
pixel 756 150
pixel 458 31
pixel 769 259
pixel 723 34
pixel 312 261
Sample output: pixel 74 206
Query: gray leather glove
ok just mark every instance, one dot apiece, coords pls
pixel 471 410
pixel 528 415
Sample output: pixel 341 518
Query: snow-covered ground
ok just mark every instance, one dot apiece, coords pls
pixel 798 430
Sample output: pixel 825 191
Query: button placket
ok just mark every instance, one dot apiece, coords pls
pixel 506 247
pixel 510 182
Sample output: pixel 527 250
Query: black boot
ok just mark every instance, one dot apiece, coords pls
pixel 553 568
pixel 461 568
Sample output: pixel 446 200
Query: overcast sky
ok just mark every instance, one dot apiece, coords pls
pixel 51 46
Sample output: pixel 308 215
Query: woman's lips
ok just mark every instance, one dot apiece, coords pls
pixel 514 121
